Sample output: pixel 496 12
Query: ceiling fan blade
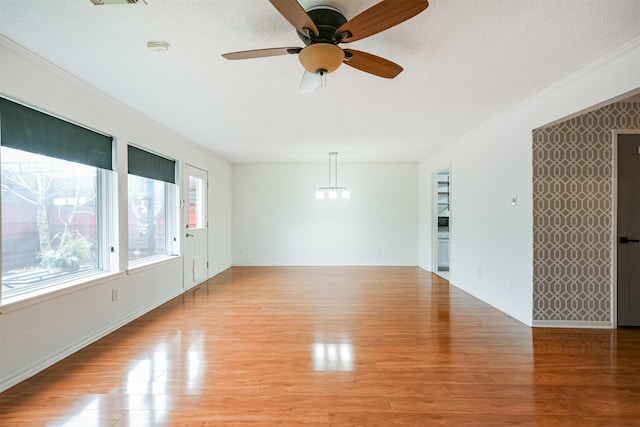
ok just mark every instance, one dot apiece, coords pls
pixel 310 82
pixel 261 53
pixel 296 15
pixel 379 17
pixel 371 64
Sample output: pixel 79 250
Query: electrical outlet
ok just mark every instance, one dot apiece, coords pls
pixel 114 295
pixel 241 251
pixel 379 251
pixel 479 273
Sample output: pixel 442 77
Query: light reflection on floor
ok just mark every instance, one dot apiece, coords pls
pixel 147 394
pixel 87 414
pixel 147 397
pixel 333 356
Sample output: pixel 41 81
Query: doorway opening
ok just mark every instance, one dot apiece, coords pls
pixel 626 299
pixel 442 223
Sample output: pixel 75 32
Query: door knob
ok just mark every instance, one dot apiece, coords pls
pixel 627 240
pixel 189 235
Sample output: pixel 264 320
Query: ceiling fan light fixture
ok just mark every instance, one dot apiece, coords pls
pixel 320 57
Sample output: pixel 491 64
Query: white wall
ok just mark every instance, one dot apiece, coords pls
pixel 492 241
pixel 278 221
pixel 36 334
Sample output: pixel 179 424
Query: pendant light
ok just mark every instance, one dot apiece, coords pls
pixel 333 190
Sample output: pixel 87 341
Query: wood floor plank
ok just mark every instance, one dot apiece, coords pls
pixel 335 346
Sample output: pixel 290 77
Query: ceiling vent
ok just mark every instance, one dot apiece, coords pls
pixel 101 2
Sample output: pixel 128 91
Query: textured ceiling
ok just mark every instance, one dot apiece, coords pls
pixel 465 61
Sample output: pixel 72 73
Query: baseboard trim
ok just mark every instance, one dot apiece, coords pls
pixel 79 345
pixel 572 324
pixel 322 264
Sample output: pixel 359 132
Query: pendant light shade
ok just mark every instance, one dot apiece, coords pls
pixel 321 57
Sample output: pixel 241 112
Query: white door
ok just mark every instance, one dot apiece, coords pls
pixel 194 207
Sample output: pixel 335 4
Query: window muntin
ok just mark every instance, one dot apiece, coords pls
pixel 50 228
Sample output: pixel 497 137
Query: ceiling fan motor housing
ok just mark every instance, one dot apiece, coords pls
pixel 327 19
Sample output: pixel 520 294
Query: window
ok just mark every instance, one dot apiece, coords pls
pixel 152 205
pixel 54 178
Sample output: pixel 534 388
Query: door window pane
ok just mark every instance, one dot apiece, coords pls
pixel 196 202
pixel 49 221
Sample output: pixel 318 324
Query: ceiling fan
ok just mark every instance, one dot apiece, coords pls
pixel 323 28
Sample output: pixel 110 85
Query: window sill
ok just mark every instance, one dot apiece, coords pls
pixel 152 262
pixel 55 291
pixel 20 301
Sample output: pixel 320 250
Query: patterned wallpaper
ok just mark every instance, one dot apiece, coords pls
pixel 572 214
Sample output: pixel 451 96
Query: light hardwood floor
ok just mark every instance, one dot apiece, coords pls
pixel 335 346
